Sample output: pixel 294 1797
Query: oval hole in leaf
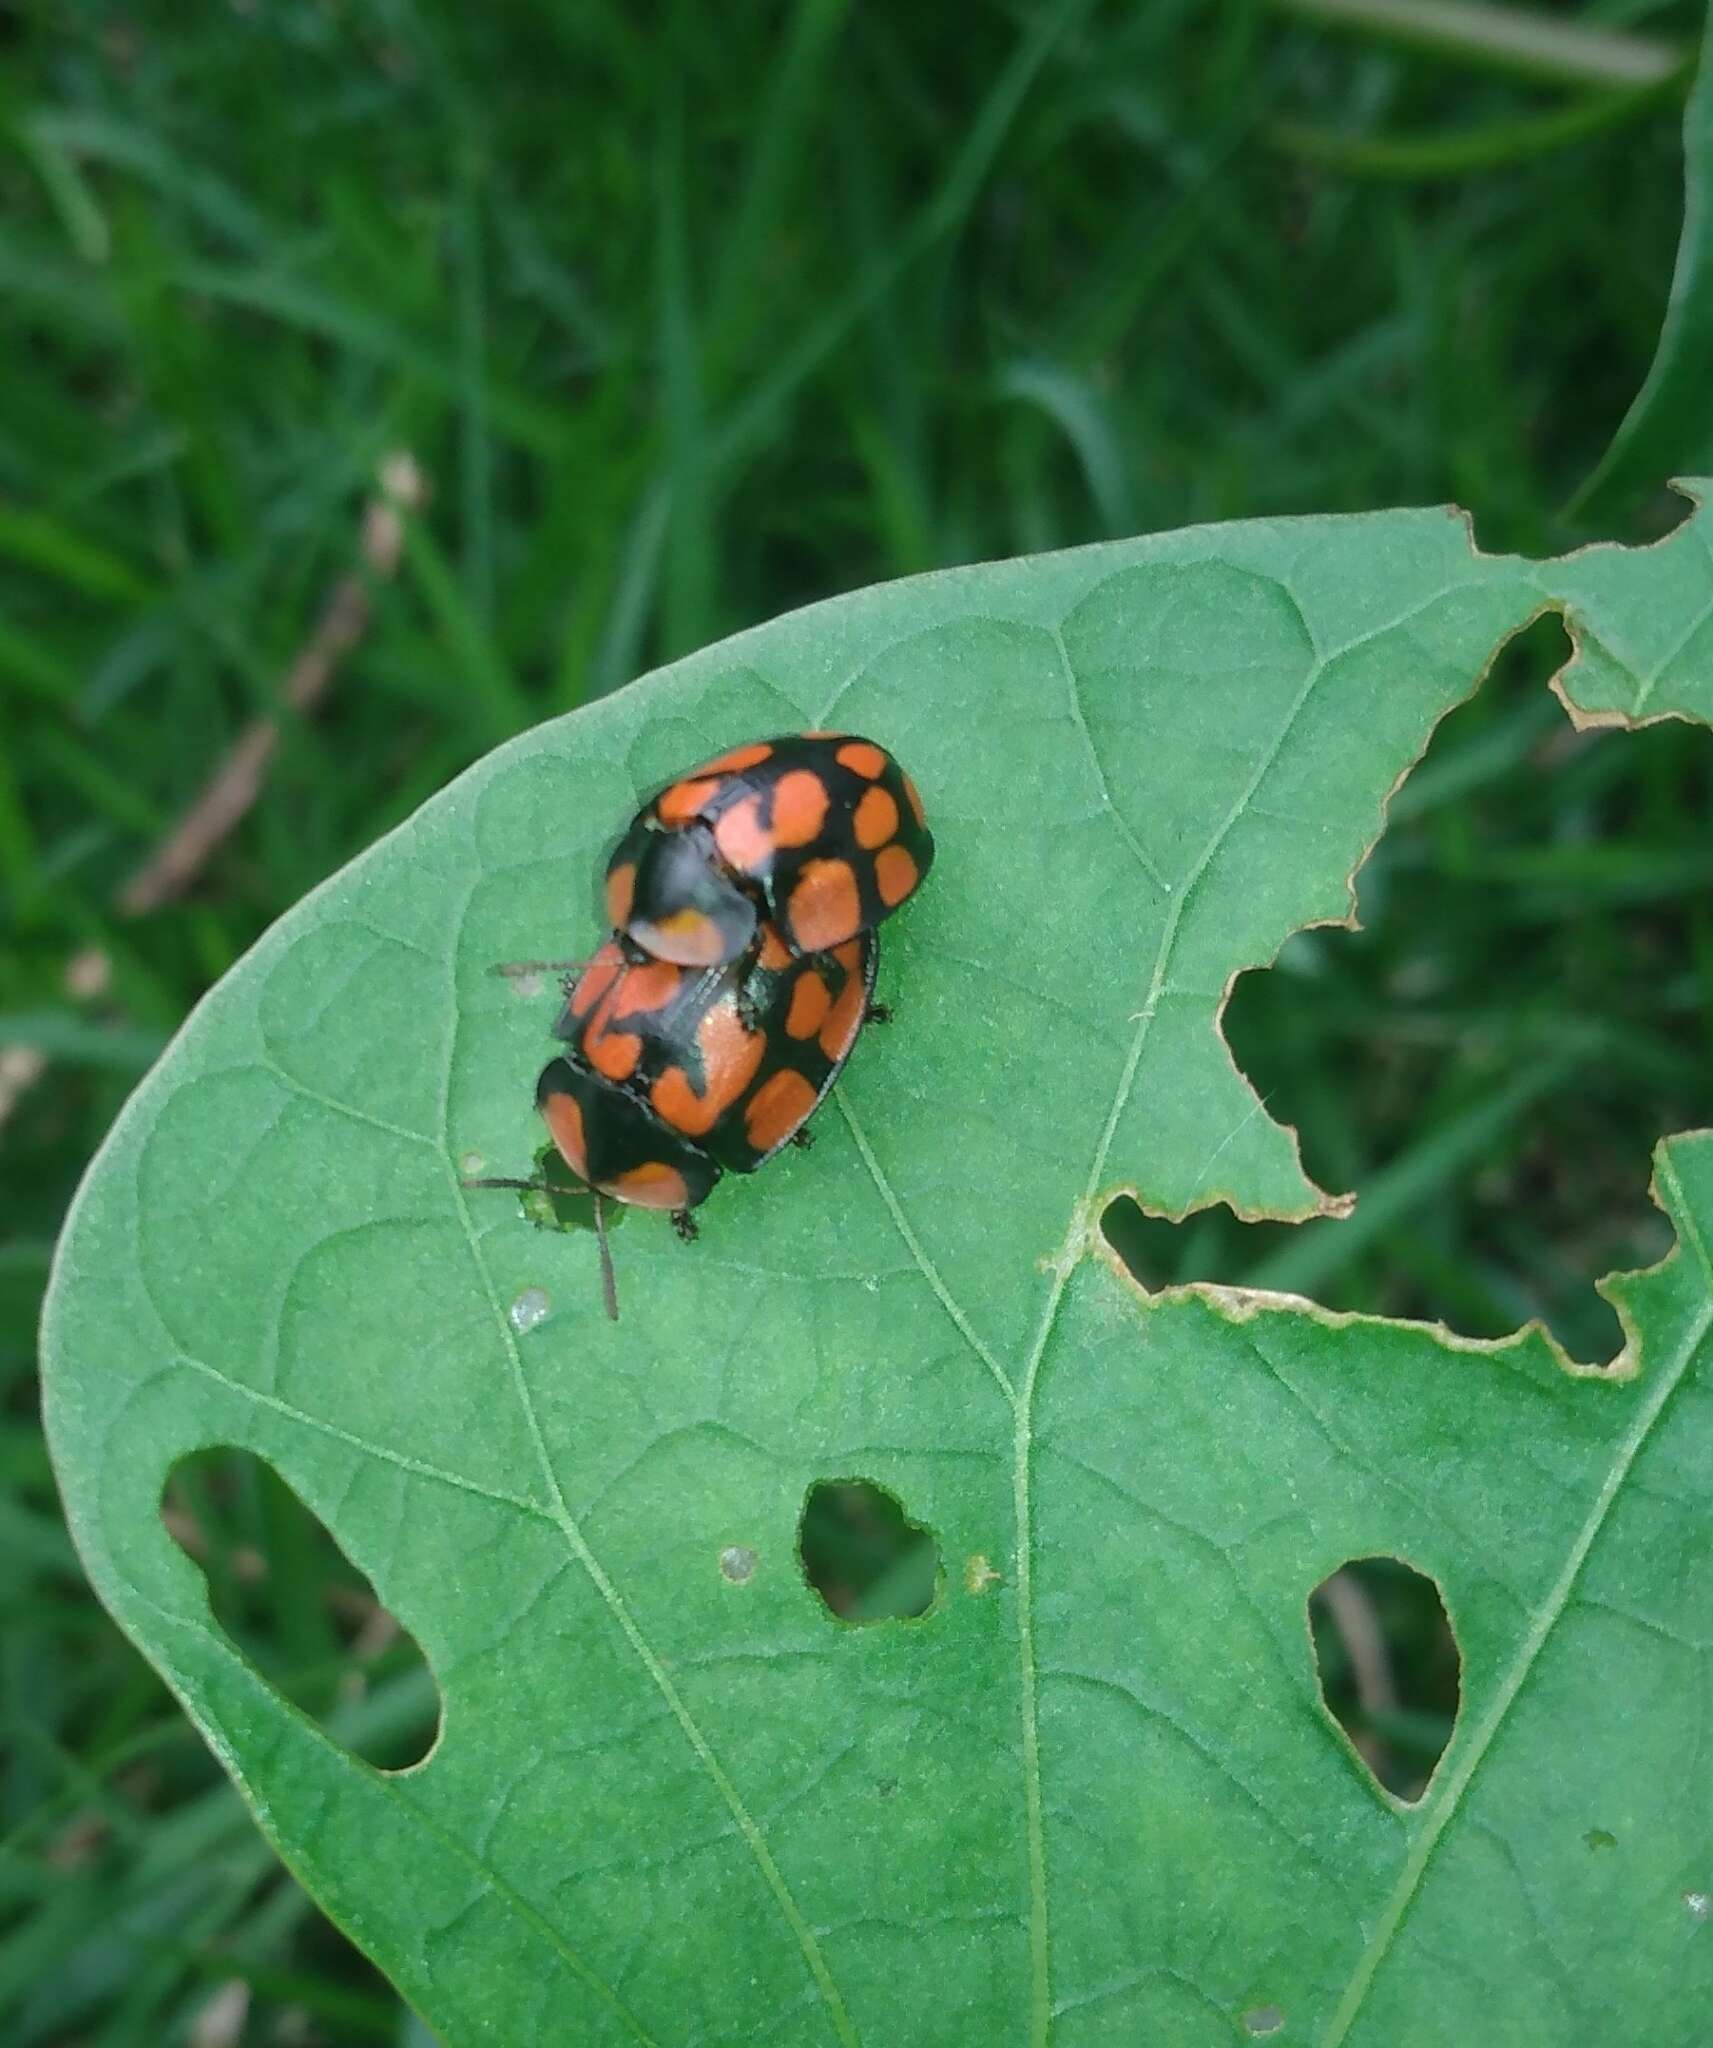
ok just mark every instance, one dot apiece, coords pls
pixel 863 1555
pixel 1389 1668
pixel 297 1609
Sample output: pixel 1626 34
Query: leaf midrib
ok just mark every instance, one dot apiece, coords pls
pixel 1073 1249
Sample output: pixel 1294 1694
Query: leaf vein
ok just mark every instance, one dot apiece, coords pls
pixel 1544 1621
pixel 1041 2007
pixel 942 1293
pixel 302 1090
pixel 419 1468
pixel 1646 685
pixel 1126 830
pixel 616 1606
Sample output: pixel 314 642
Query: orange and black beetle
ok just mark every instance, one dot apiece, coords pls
pixel 671 1074
pixel 704 1033
pixel 821 834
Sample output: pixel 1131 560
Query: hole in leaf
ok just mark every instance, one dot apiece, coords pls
pixel 1210 1245
pixel 557 1205
pixel 1491 1059
pixel 1263 2019
pixel 864 1556
pixel 297 1608
pixel 1389 1667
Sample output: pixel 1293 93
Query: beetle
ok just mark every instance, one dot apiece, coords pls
pixel 820 834
pixel 672 1075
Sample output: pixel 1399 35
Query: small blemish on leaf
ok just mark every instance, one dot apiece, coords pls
pixel 979 1574
pixel 526 986
pixel 886 1787
pixel 1263 2019
pixel 1700 1905
pixel 738 1563
pixel 470 1164
pixel 1600 1838
pixel 531 1307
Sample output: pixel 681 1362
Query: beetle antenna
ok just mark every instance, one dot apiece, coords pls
pixel 609 1283
pixel 540 1186
pixel 515 970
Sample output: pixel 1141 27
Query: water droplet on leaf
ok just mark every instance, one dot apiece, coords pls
pixel 529 1309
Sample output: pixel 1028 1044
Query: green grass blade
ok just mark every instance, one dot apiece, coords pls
pixel 1668 430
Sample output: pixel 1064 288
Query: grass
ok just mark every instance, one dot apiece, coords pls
pixel 684 327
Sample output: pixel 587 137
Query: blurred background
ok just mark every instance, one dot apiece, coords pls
pixel 382 376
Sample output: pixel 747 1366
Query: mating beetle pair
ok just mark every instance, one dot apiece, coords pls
pixel 741 968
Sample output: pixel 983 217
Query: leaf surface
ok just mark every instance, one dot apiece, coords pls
pixel 1093 1795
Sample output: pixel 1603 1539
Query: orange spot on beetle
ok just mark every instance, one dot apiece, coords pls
pixel 730 1056
pixel 775 953
pixel 597 979
pixel 810 1002
pixel 684 800
pixel 644 989
pixel 613 1053
pixel 844 1020
pixel 677 1103
pixel 825 908
pixel 742 838
pixel 652 1186
pixel 799 807
pixel 915 799
pixel 635 992
pixel 895 874
pixel 564 1121
pixel 621 888
pixel 776 1109
pixel 862 757
pixel 737 760
pixel 876 818
pixel 687 938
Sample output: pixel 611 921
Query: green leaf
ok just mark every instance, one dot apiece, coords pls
pixel 1092 1794
pixel 1670 422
